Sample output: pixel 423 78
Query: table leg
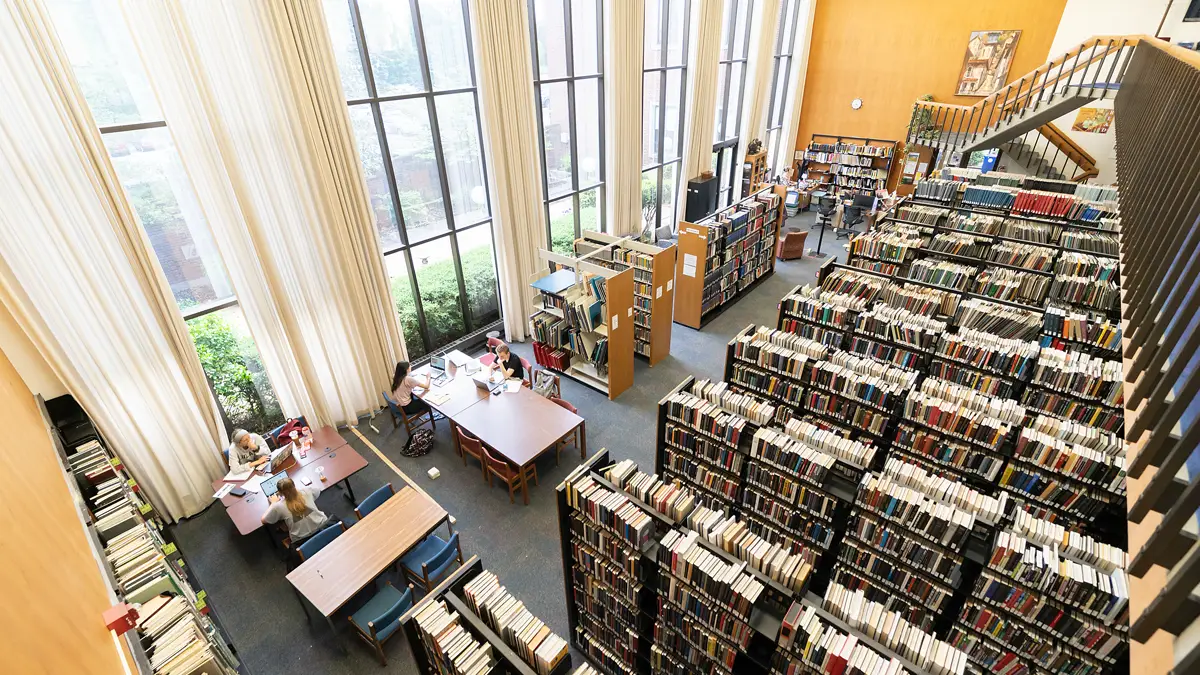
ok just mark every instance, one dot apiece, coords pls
pixel 524 486
pixel 349 490
pixel 583 439
pixel 336 638
pixel 454 438
pixel 300 599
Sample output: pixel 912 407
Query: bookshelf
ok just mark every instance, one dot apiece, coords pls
pixel 849 162
pixel 456 611
pixel 583 322
pixel 724 256
pixel 754 171
pixel 653 286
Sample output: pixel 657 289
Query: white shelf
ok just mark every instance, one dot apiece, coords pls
pixel 587 371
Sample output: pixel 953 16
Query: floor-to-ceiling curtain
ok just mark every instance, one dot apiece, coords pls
pixel 703 64
pixel 788 143
pixel 250 92
pixel 623 54
pixel 503 61
pixel 760 66
pixel 78 273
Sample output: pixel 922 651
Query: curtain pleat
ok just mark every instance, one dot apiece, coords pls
pixel 251 95
pixel 623 56
pixel 703 62
pixel 78 273
pixel 503 62
pixel 760 67
pixel 791 126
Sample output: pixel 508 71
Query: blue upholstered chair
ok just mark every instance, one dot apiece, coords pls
pixel 374 500
pixel 430 560
pixel 309 547
pixel 379 618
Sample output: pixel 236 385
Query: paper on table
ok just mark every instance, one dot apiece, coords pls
pixel 514 386
pixel 254 484
pixel 240 475
pixel 438 398
pixel 225 489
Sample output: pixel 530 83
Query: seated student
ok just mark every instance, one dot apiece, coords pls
pixel 508 363
pixel 402 390
pixel 247 451
pixel 297 508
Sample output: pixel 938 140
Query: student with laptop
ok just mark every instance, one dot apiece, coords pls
pixel 508 363
pixel 247 451
pixel 297 508
pixel 402 390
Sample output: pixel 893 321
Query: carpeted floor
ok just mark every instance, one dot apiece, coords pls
pixel 244 576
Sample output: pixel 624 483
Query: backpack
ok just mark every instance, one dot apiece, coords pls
pixel 543 384
pixel 419 444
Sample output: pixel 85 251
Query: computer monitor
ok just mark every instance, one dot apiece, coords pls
pixel 270 486
pixel 864 200
pixel 438 363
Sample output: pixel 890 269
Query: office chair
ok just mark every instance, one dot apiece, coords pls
pixel 855 214
pixel 826 207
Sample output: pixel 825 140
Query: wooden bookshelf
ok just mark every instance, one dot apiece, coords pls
pixel 572 278
pixel 704 250
pixel 816 161
pixel 754 171
pixel 653 286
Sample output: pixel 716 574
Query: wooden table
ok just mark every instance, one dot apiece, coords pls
pixel 460 386
pixel 325 441
pixel 247 512
pixel 521 425
pixel 347 564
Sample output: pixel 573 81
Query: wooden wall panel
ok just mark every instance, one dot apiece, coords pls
pixel 52 589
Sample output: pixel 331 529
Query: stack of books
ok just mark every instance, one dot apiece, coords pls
pixel 177 639
pixel 450 644
pixel 1000 320
pixel 528 635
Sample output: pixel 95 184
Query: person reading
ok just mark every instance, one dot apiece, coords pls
pixel 508 363
pixel 247 451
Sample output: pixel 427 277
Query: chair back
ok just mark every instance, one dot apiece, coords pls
pixel 469 443
pixel 393 406
pixel 373 500
pixel 273 435
pixel 498 464
pixel 384 622
pixel 853 216
pixel 320 540
pixel 563 404
pixel 225 453
pixel 528 370
pixel 492 343
pixel 440 562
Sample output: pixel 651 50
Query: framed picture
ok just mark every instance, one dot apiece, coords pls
pixel 985 66
pixel 1093 120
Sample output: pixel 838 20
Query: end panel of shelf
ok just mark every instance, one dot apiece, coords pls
pixel 662 313
pixel 691 256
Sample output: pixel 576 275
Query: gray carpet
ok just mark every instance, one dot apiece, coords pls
pixel 244 576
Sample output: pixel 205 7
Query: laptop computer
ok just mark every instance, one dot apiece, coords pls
pixel 437 365
pixel 483 380
pixel 270 486
pixel 278 457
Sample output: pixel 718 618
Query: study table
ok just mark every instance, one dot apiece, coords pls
pixel 336 573
pixel 325 440
pixel 247 512
pixel 518 425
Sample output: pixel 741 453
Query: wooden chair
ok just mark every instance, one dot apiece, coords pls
pixel 411 422
pixel 527 367
pixel 572 437
pixel 490 357
pixel 469 445
pixel 379 618
pixel 556 389
pixel 512 477
pixel 431 559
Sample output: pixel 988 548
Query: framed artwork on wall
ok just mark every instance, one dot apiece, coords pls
pixel 1093 120
pixel 985 66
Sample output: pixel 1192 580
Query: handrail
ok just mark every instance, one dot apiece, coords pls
pixel 1075 152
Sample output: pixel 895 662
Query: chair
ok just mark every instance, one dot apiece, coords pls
pixel 826 207
pixel 527 368
pixel 556 383
pixel 469 445
pixel 309 547
pixel 512 477
pixel 374 500
pixel 791 245
pixel 273 435
pixel 852 216
pixel 378 619
pixel 573 436
pixel 490 357
pixel 431 559
pixel 411 422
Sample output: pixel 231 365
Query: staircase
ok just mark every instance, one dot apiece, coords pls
pixel 1047 152
pixel 1023 109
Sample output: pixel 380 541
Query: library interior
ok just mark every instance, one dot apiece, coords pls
pixel 600 337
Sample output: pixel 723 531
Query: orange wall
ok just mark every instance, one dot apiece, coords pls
pixel 53 593
pixel 891 52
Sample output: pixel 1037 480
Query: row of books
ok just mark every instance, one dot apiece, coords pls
pixel 179 641
pixel 528 635
pixel 1081 375
pixel 450 644
pixel 811 643
pixel 1097 593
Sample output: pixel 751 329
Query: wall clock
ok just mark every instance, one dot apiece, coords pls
pixel 856 103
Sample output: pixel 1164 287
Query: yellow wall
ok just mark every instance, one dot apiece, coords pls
pixel 891 52
pixel 53 593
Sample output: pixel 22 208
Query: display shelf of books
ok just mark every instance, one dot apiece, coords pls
pixel 754 171
pixel 653 286
pixel 849 162
pixel 470 624
pixel 583 324
pixel 726 254
pixel 175 629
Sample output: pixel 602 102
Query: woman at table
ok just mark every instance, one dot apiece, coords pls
pixel 508 363
pixel 297 508
pixel 247 451
pixel 402 390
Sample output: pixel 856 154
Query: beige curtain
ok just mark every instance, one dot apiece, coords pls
pixel 503 62
pixel 759 68
pixel 703 61
pixel 78 274
pixel 791 113
pixel 623 58
pixel 251 94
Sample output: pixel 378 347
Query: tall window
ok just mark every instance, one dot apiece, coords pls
pixel 731 84
pixel 663 104
pixel 785 45
pixel 116 88
pixel 568 81
pixel 408 73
